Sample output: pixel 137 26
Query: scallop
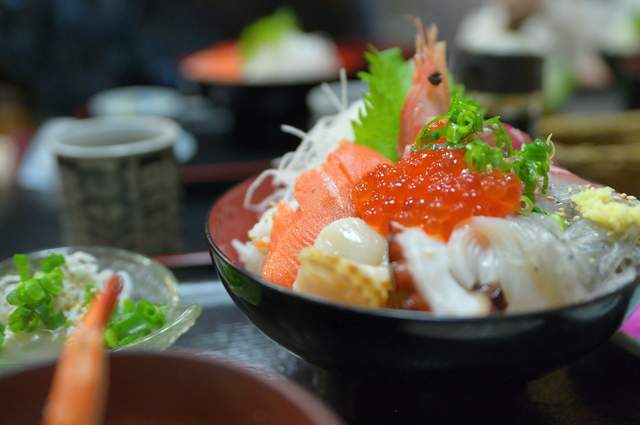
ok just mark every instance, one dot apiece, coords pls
pixel 353 239
pixel 341 279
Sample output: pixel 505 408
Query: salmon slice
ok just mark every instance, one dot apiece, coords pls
pixel 220 63
pixel 324 196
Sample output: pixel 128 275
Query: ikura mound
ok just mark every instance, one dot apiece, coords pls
pixel 412 199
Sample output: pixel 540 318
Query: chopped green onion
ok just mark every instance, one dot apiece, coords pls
pixel 34 296
pixel 33 323
pixel 51 262
pixel 34 290
pixel 457 129
pixel 20 319
pixel 44 311
pixel 128 306
pixel 1 336
pixel 21 262
pixel 111 338
pixel 55 276
pixel 90 292
pixel 134 324
pixel 146 308
pixel 132 320
pixel 128 339
pixel 56 321
pixel 34 302
pixel 559 219
pixel 52 286
pixel 528 205
pixel 16 298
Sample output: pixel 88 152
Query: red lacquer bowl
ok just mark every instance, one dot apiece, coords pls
pixel 176 387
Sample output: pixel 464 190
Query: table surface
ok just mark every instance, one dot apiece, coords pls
pixel 601 388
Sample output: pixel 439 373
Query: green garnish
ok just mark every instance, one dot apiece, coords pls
pixel 389 80
pixel 267 29
pixel 52 282
pixel 1 336
pixel 51 262
pixel 457 129
pixel 561 221
pixel 22 264
pixel 131 321
pixel 90 292
pixel 34 296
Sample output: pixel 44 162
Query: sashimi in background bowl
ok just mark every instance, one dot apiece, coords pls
pixel 406 347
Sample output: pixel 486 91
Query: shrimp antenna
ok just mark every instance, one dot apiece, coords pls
pixel 432 36
pixel 420 40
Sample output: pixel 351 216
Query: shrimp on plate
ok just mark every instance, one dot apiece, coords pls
pixel 428 96
pixel 79 388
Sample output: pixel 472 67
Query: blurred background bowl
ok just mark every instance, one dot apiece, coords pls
pixel 259 109
pixel 406 347
pixel 152 282
pixel 176 387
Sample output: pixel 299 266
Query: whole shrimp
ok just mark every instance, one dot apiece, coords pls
pixel 79 388
pixel 428 95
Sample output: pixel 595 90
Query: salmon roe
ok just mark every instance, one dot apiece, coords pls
pixel 434 190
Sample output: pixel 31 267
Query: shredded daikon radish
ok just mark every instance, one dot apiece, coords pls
pixel 313 150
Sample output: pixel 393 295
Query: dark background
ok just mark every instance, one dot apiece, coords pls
pixel 60 52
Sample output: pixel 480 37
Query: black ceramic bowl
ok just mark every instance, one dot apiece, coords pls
pixel 406 346
pixel 256 110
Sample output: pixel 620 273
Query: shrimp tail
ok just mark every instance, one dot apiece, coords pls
pixel 78 391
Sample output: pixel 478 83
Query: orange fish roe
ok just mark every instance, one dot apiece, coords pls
pixel 434 190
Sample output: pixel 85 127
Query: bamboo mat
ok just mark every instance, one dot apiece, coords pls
pixel 604 148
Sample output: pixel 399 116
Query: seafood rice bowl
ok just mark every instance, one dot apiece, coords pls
pixel 448 229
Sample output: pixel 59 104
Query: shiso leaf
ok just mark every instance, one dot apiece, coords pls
pixel 389 79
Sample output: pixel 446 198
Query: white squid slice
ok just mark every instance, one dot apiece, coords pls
pixel 428 262
pixel 525 255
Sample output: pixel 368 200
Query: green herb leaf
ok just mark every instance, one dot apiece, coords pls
pixel 267 29
pixel 389 80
